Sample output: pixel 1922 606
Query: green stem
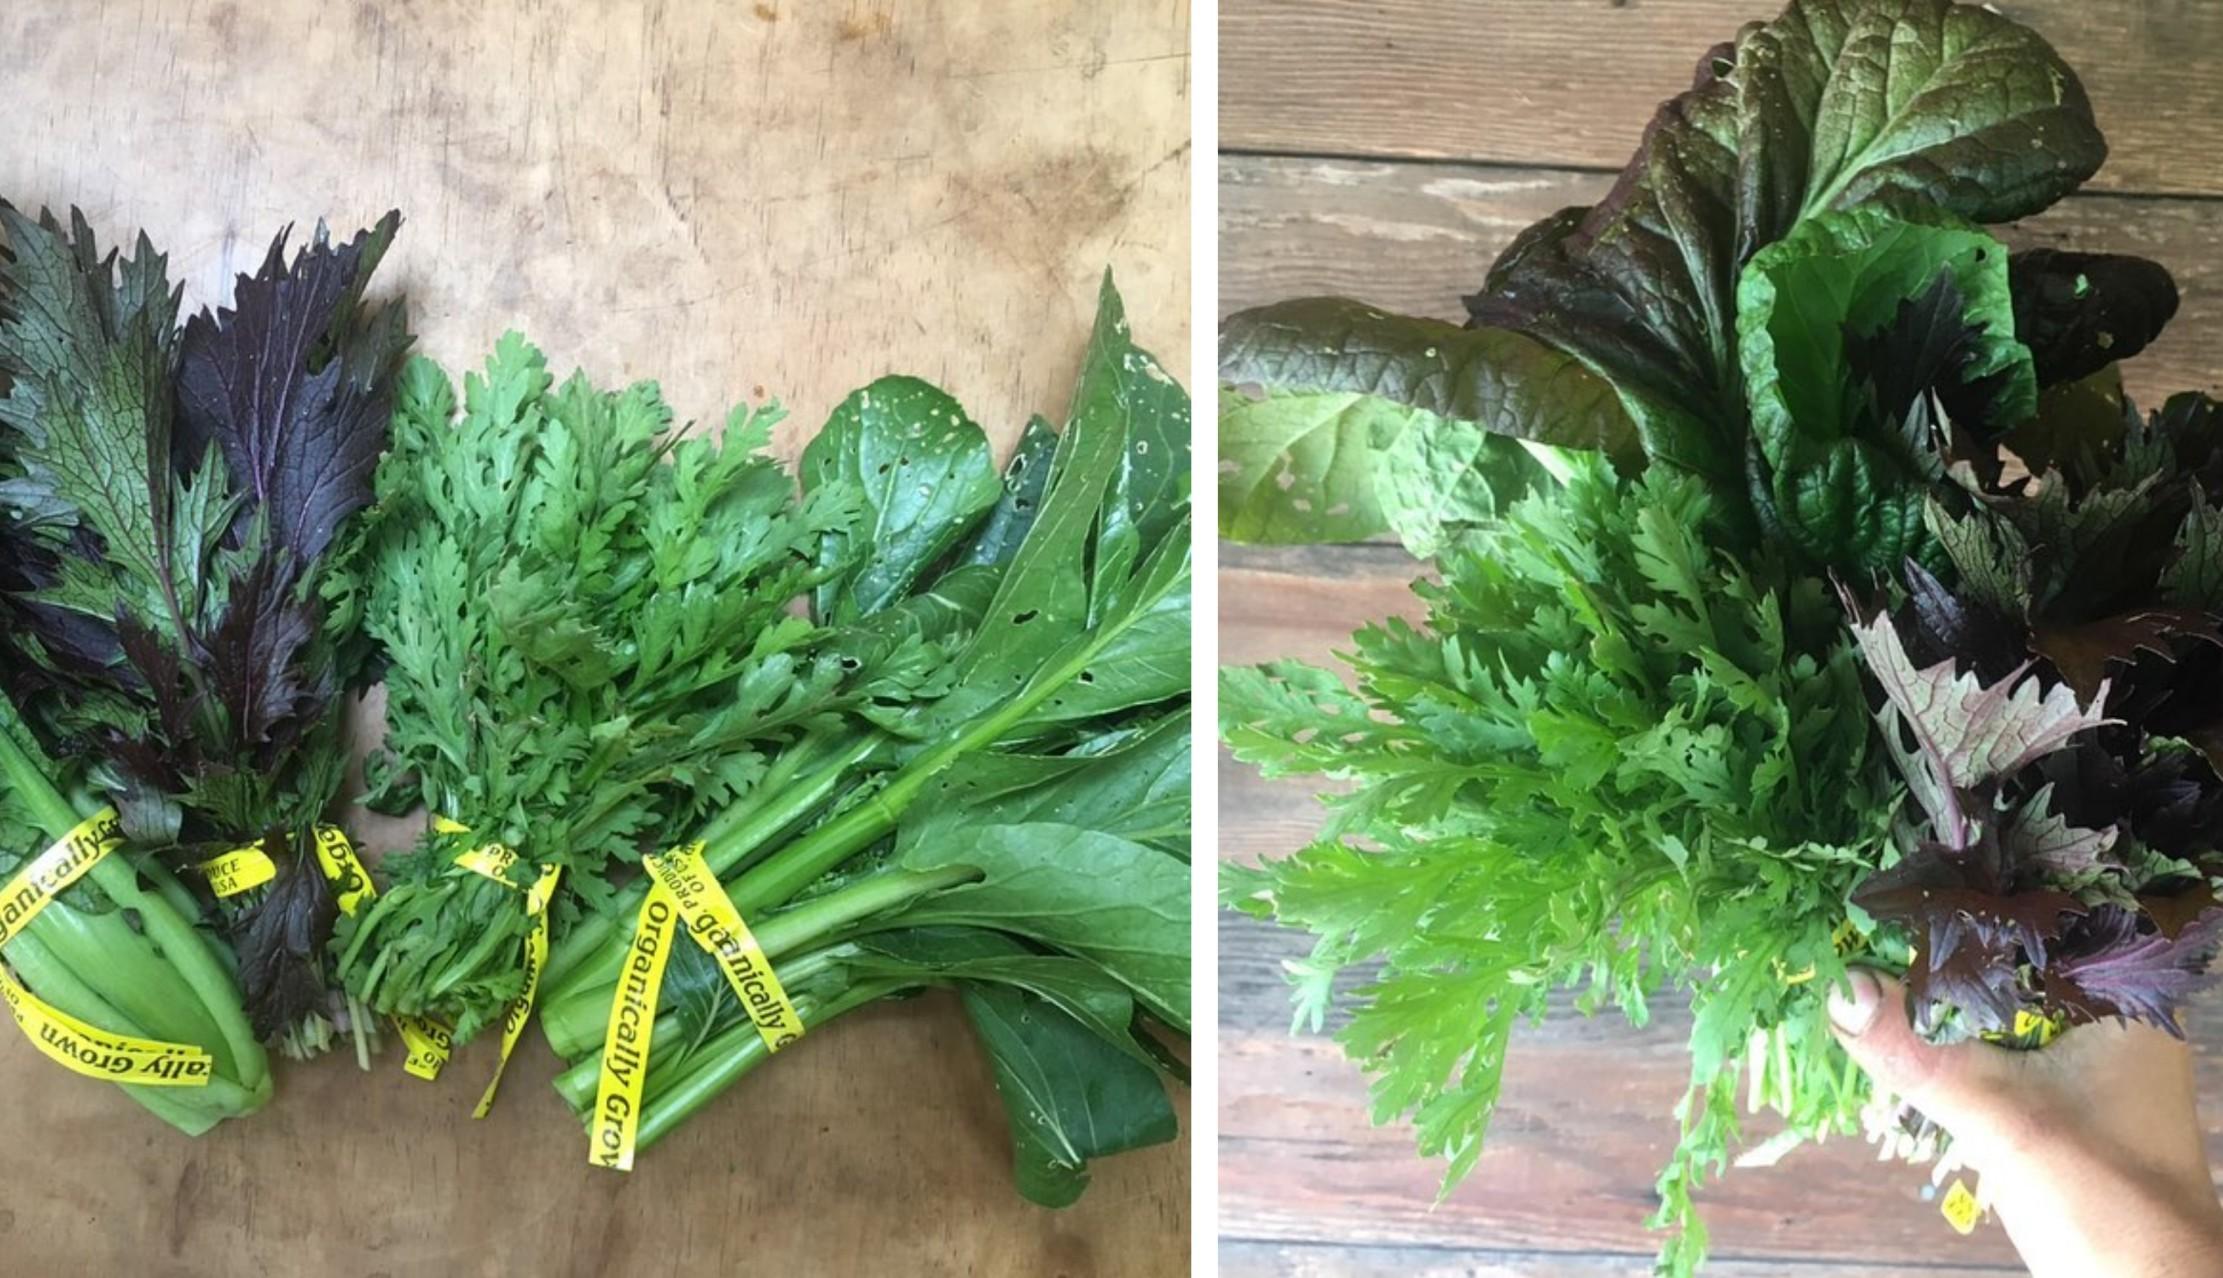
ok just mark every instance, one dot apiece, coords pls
pixel 577 1084
pixel 575 1025
pixel 821 917
pixel 237 1051
pixel 192 1111
pixel 733 1054
pixel 232 1041
pixel 359 1028
pixel 590 954
pixel 380 906
pixel 778 878
pixel 175 892
pixel 794 867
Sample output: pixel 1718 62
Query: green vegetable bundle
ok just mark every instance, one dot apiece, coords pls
pixel 174 582
pixel 587 650
pixel 1810 596
pixel 1018 831
pixel 963 765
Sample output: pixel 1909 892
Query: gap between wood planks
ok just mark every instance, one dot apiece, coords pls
pixel 1570 82
pixel 1248 1257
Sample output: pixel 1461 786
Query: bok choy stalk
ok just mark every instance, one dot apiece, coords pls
pixel 584 618
pixel 1022 837
pixel 160 980
pixel 181 596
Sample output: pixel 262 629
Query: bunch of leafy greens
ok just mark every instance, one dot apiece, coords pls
pixel 2050 875
pixel 588 650
pixel 174 501
pixel 1786 315
pixel 1632 327
pixel 1019 833
pixel 1616 758
pixel 2062 710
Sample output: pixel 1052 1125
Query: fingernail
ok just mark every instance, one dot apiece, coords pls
pixel 1853 1011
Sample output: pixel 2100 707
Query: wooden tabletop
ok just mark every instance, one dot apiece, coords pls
pixel 741 200
pixel 1388 151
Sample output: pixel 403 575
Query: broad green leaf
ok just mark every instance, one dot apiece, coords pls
pixel 1298 468
pixel 1069 1095
pixel 1150 490
pixel 1136 788
pixel 1024 478
pixel 1952 104
pixel 1485 471
pixel 1115 902
pixel 927 475
pixel 952 956
pixel 1088 585
pixel 1836 104
pixel 1839 473
pixel 1340 412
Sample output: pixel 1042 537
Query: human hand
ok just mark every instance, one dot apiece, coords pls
pixel 2090 1149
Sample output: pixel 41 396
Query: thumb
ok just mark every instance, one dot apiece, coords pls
pixel 1957 1085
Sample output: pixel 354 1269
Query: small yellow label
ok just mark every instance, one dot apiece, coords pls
pixel 448 825
pixel 44 877
pixel 717 927
pixel 617 1097
pixel 96 1053
pixel 351 882
pixel 1960 1208
pixel 2029 1023
pixel 536 959
pixel 239 870
pixel 428 1044
pixel 491 860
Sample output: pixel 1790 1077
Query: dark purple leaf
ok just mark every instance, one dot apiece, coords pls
pixel 2113 965
pixel 2079 312
pixel 251 663
pixel 294 383
pixel 281 940
pixel 1937 625
pixel 1925 350
pixel 1943 894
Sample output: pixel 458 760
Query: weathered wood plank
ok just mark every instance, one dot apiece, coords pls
pixel 1306 604
pixel 743 200
pixel 1572 82
pixel 1415 237
pixel 1245 1259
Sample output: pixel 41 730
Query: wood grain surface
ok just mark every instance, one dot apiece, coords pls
pixel 1496 80
pixel 1388 151
pixel 743 201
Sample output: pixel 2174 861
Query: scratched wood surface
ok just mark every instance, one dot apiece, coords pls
pixel 1389 151
pixel 743 201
